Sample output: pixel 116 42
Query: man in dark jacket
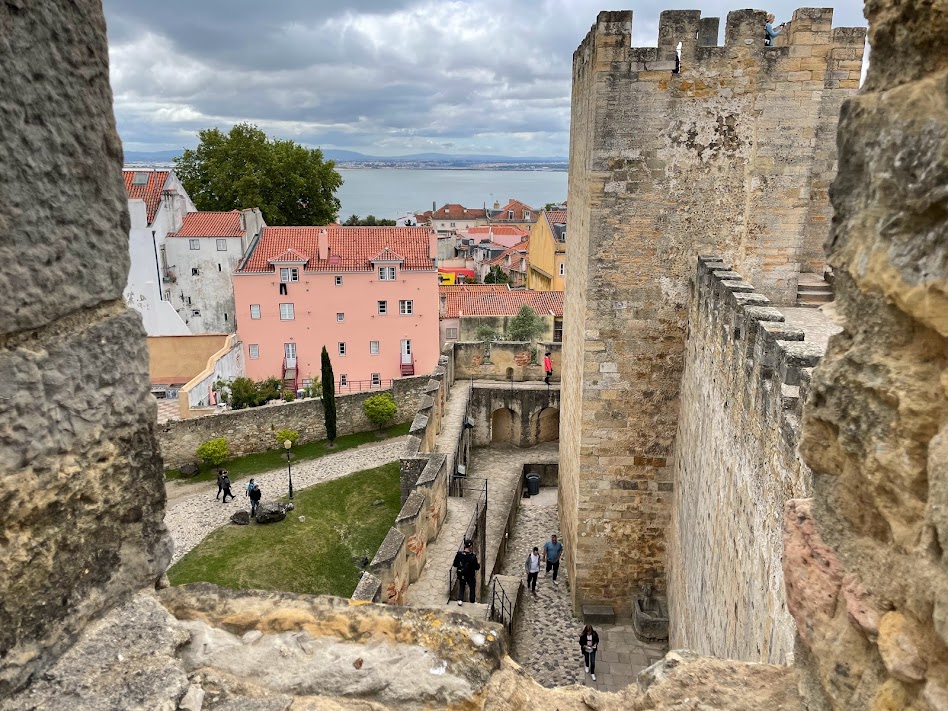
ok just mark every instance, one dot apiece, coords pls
pixel 467 566
pixel 254 495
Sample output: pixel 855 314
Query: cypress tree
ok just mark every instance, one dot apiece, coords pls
pixel 329 397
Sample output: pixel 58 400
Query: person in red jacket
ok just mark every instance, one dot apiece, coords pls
pixel 548 367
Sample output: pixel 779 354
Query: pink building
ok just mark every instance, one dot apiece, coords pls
pixel 368 294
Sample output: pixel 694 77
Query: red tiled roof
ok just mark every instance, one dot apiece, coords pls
pixel 522 247
pixel 453 211
pixel 290 255
pixel 150 192
pixel 351 249
pixel 387 255
pixel 210 224
pixel 498 300
pixel 556 217
pixel 503 215
pixel 512 230
pixel 423 217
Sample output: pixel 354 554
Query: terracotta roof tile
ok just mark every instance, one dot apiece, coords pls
pixel 351 249
pixel 210 224
pixel 503 214
pixel 150 192
pixel 512 230
pixel 290 255
pixel 387 255
pixel 498 300
pixel 521 247
pixel 453 211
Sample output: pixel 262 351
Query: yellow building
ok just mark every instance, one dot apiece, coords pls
pixel 547 262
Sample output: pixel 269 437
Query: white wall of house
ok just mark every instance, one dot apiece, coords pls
pixel 204 292
pixel 145 290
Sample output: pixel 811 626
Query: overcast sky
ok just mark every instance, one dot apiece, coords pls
pixel 384 77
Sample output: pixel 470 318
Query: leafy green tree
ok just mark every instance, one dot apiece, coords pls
pixel 496 275
pixel 369 221
pixel 243 393
pixel 214 452
pixel 380 408
pixel 291 184
pixel 329 397
pixel 526 325
pixel 486 333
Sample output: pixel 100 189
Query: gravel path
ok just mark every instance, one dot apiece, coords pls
pixel 192 512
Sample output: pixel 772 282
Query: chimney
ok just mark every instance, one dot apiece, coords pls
pixel 433 244
pixel 323 244
pixel 496 205
pixel 434 207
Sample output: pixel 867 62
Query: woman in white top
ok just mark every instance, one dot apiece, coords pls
pixel 532 567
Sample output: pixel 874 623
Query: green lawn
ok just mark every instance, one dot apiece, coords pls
pixel 259 462
pixel 315 556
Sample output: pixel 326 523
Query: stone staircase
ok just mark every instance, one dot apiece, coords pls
pixel 813 291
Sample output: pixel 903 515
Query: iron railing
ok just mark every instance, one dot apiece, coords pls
pixel 501 606
pixel 471 530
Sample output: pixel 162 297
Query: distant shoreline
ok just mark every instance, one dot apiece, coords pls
pixel 513 168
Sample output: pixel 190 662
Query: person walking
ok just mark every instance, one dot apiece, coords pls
pixel 467 566
pixel 552 550
pixel 532 566
pixel 227 492
pixel 250 485
pixel 220 484
pixel 589 643
pixel 548 367
pixel 255 495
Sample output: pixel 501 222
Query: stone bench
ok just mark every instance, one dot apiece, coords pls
pixel 599 615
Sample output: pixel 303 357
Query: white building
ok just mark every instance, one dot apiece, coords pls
pixel 157 204
pixel 202 256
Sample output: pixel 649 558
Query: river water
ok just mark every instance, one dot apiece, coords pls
pixel 392 192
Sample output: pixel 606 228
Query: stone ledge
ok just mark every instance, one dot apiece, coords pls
pixel 599 614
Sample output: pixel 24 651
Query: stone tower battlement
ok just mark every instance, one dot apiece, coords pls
pixel 674 153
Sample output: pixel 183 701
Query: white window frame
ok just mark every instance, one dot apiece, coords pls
pixel 406 307
pixel 338 280
pixel 341 348
pixel 255 311
pixel 382 308
pixel 386 273
pixel 376 380
pixel 195 312
pixel 254 351
pixel 287 312
pixel 451 334
pixel 374 347
pixel 222 245
pixel 194 244
pixel 289 274
pixel 343 380
pixel 340 317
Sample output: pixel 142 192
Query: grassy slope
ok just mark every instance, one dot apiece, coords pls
pixel 315 556
pixel 259 462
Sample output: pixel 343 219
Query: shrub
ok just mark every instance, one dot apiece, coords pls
pixel 314 389
pixel 243 393
pixel 269 389
pixel 486 334
pixel 380 408
pixel 289 395
pixel 214 452
pixel 283 435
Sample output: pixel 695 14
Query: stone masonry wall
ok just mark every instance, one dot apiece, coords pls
pixel 252 429
pixel 735 467
pixel 80 477
pixel 718 158
pixel 865 558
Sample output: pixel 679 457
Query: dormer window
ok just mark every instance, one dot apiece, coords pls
pixel 288 274
pixel 510 214
pixel 526 214
pixel 140 178
pixel 386 273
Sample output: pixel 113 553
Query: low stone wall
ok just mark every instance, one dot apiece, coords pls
pixel 504 360
pixel 252 429
pixel 736 464
pixel 521 416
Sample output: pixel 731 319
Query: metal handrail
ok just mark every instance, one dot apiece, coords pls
pixel 506 606
pixel 480 504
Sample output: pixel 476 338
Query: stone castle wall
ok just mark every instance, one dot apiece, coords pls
pixel 80 475
pixel 252 429
pixel 721 157
pixel 736 464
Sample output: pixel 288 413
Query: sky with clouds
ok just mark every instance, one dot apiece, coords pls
pixel 384 77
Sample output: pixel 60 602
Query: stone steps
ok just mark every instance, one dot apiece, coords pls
pixel 813 291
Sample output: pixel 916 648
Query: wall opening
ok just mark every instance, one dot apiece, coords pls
pixel 548 425
pixel 502 425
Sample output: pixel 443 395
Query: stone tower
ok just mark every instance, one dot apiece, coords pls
pixel 685 149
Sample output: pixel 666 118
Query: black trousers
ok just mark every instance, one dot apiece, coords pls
pixel 532 580
pixel 554 565
pixel 549 374
pixel 590 658
pixel 470 583
pixel 219 490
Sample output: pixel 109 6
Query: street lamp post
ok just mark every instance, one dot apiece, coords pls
pixel 289 467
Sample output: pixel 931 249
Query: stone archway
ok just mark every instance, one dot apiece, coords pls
pixel 502 425
pixel 548 425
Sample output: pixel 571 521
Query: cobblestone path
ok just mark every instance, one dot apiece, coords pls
pixel 192 516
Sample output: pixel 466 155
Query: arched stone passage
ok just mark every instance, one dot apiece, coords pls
pixel 502 423
pixel 548 425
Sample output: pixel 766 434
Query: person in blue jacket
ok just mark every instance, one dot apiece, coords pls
pixel 770 32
